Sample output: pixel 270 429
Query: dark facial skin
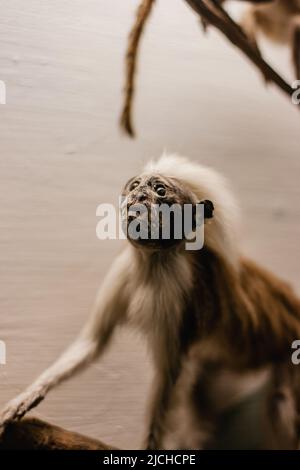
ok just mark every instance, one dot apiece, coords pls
pixel 150 190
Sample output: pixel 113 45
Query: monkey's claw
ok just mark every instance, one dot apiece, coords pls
pixel 19 406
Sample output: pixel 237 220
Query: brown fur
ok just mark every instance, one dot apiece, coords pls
pixel 238 322
pixel 251 310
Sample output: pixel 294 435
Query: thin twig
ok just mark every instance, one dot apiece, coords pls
pixel 142 15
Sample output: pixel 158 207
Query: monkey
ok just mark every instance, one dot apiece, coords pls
pixel 218 326
pixel 279 20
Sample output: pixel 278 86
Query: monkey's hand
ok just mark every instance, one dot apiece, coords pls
pixel 19 406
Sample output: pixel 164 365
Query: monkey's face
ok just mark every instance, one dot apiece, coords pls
pixel 153 211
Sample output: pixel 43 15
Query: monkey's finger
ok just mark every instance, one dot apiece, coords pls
pixel 10 413
pixel 3 426
pixel 19 406
pixel 4 420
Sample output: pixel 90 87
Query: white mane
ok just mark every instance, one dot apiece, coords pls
pixel 222 233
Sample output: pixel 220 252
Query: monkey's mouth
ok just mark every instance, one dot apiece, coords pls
pixel 150 228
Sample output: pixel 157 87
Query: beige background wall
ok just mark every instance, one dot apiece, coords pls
pixel 62 154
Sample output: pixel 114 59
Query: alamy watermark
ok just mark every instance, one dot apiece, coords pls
pixel 296 94
pixel 154 223
pixel 2 353
pixel 296 354
pixel 2 343
pixel 2 92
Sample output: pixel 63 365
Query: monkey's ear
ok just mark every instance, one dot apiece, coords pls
pixel 208 212
pixel 208 208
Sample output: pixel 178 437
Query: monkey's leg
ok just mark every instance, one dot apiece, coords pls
pixel 194 430
pixel 192 418
pixel 109 311
pixel 296 50
pixel 159 404
pixel 282 407
pixel 164 383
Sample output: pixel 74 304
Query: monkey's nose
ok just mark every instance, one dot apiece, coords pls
pixel 141 197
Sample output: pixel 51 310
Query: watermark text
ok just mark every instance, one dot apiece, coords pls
pixel 2 353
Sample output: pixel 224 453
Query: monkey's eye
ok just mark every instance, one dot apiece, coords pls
pixel 160 190
pixel 133 185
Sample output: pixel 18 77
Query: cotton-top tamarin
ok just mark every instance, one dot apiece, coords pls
pixel 219 327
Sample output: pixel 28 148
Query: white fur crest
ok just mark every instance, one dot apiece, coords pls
pixel 222 233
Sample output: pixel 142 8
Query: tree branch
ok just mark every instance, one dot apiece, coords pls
pixel 211 12
pixel 34 434
pixel 207 10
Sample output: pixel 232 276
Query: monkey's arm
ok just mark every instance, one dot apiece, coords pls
pixel 109 311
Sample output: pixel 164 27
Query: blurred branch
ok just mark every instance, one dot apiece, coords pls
pixel 34 434
pixel 214 14
pixel 211 12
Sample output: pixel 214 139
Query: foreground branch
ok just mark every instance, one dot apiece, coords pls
pixel 34 434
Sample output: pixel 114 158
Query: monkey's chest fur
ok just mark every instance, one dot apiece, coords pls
pixel 161 292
